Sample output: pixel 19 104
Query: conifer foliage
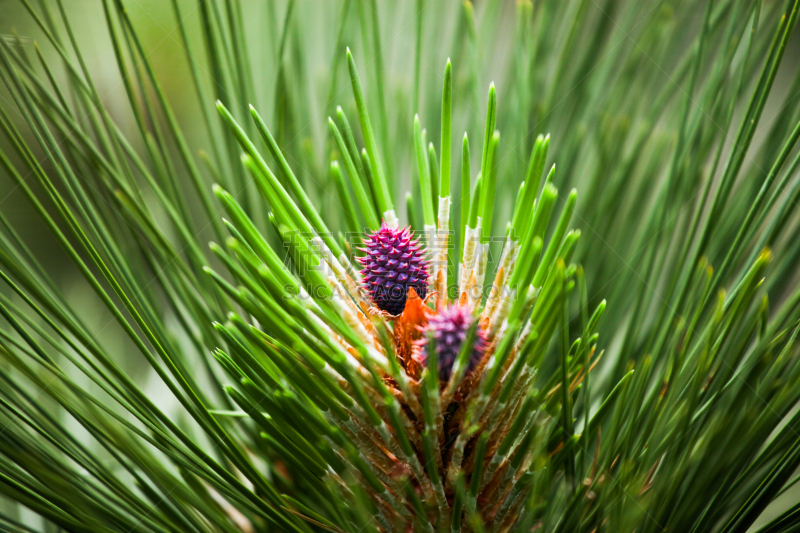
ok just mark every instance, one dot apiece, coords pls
pixel 391 330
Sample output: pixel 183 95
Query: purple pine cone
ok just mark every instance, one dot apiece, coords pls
pixel 393 264
pixel 450 328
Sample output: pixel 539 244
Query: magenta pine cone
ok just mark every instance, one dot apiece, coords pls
pixel 450 328
pixel 393 264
